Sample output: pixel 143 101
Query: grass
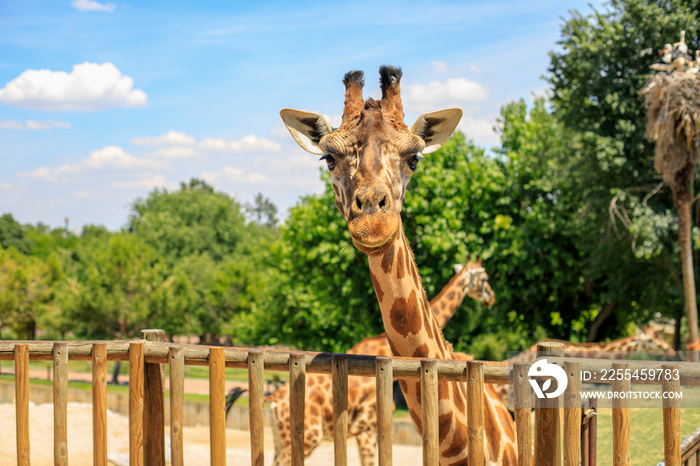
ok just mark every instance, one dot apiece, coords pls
pixel 647 436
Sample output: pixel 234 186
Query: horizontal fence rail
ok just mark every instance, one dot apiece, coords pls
pixel 552 428
pixel 321 363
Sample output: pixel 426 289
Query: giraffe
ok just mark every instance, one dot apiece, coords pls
pixel 371 157
pixel 469 280
pixel 644 339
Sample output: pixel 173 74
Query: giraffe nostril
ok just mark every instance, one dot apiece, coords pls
pixel 358 202
pixel 382 203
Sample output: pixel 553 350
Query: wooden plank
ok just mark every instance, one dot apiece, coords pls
pixel 547 417
pixel 385 431
pixel 585 460
pixel 572 414
pixel 217 406
pixel 60 404
pixel 177 402
pixel 21 353
pixel 99 404
pixel 256 391
pixel 621 417
pixel 475 413
pixel 297 390
pixel 672 417
pixel 429 412
pixel 522 396
pixel 154 401
pixel 340 409
pixel 593 434
pixel 278 360
pixel 136 374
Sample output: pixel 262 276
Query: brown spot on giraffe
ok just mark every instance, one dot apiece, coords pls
pixel 388 259
pixel 421 352
pixel 405 317
pixel 400 264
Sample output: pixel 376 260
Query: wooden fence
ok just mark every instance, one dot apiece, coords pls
pixel 553 444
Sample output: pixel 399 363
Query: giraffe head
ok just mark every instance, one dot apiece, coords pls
pixel 372 155
pixel 475 281
pixel 647 339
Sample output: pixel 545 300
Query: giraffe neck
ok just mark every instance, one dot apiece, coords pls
pixel 411 327
pixel 413 331
pixel 445 304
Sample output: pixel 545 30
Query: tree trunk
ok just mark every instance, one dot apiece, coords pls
pixel 598 321
pixel 681 197
pixel 115 374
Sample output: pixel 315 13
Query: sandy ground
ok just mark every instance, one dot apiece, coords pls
pixel 196 441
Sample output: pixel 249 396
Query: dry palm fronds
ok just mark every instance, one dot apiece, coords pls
pixel 673 121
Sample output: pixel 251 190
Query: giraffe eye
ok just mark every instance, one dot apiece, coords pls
pixel 413 161
pixel 330 160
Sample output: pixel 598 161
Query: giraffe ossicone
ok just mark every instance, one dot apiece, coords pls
pixel 371 157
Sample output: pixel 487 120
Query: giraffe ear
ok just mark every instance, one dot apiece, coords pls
pixel 436 127
pixel 307 128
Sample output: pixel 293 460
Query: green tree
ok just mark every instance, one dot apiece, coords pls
pixel 193 220
pixel 12 234
pixel 262 211
pixel 117 276
pixel 595 82
pixel 28 291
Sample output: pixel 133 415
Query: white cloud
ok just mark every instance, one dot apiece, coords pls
pixel 144 182
pixel 5 186
pixel 51 174
pixel 249 143
pixel 480 130
pixel 171 138
pixel 440 67
pixel 89 86
pixel 176 153
pixel 109 157
pixel 90 5
pixel 180 144
pixel 452 92
pixel 35 125
pixel 115 157
pixel 474 68
pixel 234 175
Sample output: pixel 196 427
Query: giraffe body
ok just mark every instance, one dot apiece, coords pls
pixel 372 156
pixel 469 280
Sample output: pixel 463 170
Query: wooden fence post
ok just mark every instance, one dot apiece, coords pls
pixel 217 405
pixel 522 400
pixel 154 406
pixel 572 414
pixel 547 419
pixel 60 404
pixel 385 431
pixel 256 392
pixel 475 413
pixel 621 416
pixel 21 355
pixel 339 371
pixel 136 370
pixel 297 391
pixel 99 404
pixel 429 409
pixel 671 416
pixel 177 401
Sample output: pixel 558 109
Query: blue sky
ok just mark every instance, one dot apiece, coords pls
pixel 101 102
